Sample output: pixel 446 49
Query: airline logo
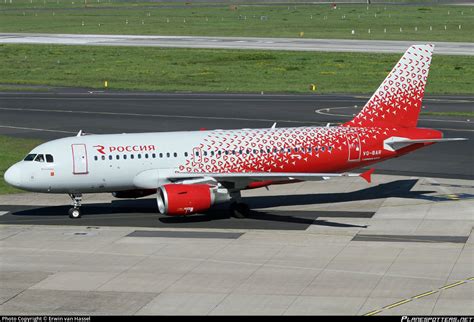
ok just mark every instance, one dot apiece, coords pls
pixel 125 148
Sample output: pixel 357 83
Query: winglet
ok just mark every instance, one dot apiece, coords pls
pixel 367 175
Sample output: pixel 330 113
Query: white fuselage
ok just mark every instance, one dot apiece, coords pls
pixel 108 163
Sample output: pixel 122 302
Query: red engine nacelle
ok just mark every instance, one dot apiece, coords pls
pixel 184 199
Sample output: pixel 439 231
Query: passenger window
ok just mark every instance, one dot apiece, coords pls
pixel 139 156
pixel 96 158
pixel 185 154
pixel 153 155
pixel 125 157
pixel 39 158
pixel 103 157
pixel 212 153
pixel 110 157
pixel 29 157
pixel 175 154
pixel 167 154
pixel 132 156
pixel 322 149
pixel 49 158
pixel 118 157
pixel 146 155
pixel 205 153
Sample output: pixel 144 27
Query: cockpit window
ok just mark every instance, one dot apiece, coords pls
pixel 39 158
pixel 49 158
pixel 29 157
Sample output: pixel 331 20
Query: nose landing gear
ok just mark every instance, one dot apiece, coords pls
pixel 75 211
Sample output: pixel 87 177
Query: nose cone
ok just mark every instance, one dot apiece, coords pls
pixel 13 176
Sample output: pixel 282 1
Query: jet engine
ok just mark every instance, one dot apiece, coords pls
pixel 184 199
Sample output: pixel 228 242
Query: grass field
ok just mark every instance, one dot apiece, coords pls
pixel 447 23
pixel 12 150
pixel 208 70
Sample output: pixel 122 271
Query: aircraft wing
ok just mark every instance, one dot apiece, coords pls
pixel 152 179
pixel 257 176
pixel 269 176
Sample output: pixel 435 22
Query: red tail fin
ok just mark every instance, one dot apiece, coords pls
pixel 397 101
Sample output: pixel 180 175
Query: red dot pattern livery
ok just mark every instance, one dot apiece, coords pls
pixel 310 149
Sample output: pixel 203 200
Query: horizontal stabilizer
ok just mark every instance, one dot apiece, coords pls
pixel 395 143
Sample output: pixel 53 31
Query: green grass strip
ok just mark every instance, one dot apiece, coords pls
pixel 468 114
pixel 217 70
pixel 378 21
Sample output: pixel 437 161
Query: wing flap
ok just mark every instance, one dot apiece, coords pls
pixel 261 176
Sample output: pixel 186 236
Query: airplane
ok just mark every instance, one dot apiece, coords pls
pixel 190 171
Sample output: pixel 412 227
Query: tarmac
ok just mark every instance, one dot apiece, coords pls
pixel 398 246
pixel 293 44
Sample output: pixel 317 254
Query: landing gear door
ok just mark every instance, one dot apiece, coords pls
pixel 79 159
pixel 353 143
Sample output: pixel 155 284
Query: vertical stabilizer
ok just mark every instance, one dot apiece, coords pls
pixel 397 102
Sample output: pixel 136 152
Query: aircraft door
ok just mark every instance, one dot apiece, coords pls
pixel 353 143
pixel 79 159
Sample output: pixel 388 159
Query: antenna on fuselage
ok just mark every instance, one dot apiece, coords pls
pixel 79 133
pixel 274 125
pixel 328 125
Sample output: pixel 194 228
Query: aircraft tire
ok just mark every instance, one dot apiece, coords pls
pixel 239 210
pixel 74 213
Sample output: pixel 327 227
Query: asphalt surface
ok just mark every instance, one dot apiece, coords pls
pixel 294 44
pixel 54 115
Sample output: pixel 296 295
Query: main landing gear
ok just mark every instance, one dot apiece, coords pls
pixel 75 211
pixel 239 210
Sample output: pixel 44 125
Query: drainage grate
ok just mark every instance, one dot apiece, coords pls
pixel 411 238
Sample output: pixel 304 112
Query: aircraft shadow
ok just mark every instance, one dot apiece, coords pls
pixel 276 216
pixel 396 189
pixel 399 188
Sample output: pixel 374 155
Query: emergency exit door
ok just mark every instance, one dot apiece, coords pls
pixel 79 159
pixel 353 143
